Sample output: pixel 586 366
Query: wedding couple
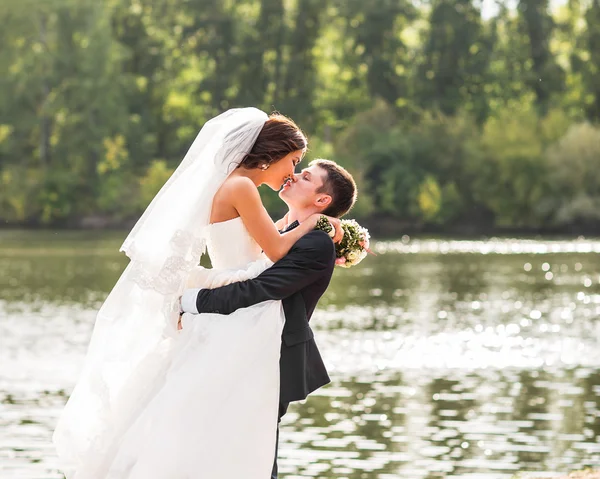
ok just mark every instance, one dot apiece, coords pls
pixel 164 396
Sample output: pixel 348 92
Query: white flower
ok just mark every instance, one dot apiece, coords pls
pixel 353 256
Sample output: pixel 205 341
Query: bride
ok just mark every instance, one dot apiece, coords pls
pixel 153 402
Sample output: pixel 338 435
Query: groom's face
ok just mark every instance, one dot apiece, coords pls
pixel 301 191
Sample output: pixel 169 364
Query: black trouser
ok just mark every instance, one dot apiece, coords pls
pixel 282 410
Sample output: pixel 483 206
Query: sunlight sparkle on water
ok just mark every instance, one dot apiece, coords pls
pixel 448 358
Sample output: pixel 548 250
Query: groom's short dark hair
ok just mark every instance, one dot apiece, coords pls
pixel 338 184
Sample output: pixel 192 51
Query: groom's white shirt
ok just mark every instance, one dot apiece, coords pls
pixel 188 300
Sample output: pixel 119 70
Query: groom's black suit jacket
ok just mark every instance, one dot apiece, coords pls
pixel 299 279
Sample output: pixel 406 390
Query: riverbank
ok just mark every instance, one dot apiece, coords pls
pixel 380 228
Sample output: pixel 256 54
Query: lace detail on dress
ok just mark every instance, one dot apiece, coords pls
pixel 186 249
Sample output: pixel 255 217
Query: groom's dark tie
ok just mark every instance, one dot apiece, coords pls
pixel 289 227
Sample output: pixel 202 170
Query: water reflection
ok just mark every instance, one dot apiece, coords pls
pixel 449 358
pixel 493 422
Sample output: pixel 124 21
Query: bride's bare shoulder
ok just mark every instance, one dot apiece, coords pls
pixel 238 187
pixel 233 191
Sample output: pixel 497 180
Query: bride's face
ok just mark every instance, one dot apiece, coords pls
pixel 280 171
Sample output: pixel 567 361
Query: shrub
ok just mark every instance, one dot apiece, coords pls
pixel 574 176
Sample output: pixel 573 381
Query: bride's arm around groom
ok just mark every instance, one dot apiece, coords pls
pixel 309 263
pixel 322 188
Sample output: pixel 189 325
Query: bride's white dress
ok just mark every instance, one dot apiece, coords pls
pixel 211 409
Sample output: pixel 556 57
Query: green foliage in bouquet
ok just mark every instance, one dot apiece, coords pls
pixel 354 245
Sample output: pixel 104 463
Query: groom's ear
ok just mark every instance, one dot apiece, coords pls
pixel 323 200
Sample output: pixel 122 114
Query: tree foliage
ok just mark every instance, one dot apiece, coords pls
pixel 446 114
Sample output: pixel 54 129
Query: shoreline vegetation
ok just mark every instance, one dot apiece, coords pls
pixel 380 227
pixel 446 114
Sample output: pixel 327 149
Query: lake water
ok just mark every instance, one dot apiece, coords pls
pixel 458 359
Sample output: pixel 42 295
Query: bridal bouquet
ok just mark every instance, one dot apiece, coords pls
pixel 354 245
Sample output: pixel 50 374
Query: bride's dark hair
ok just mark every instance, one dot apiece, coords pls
pixel 279 137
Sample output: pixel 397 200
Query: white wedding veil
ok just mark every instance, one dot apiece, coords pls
pixel 136 324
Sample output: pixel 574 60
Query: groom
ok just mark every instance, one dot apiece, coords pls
pixel 299 279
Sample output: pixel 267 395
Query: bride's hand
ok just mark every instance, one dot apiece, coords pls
pixel 337 226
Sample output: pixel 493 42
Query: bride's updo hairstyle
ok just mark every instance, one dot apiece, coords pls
pixel 279 137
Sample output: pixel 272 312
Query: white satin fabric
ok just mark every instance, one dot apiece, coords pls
pixel 206 404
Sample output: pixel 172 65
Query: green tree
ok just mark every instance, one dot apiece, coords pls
pixel 511 169
pixel 375 28
pixel 261 59
pixel 592 72
pixel 506 85
pixel 300 76
pixel 456 56
pixel 574 177
pixel 545 76
pixel 65 101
